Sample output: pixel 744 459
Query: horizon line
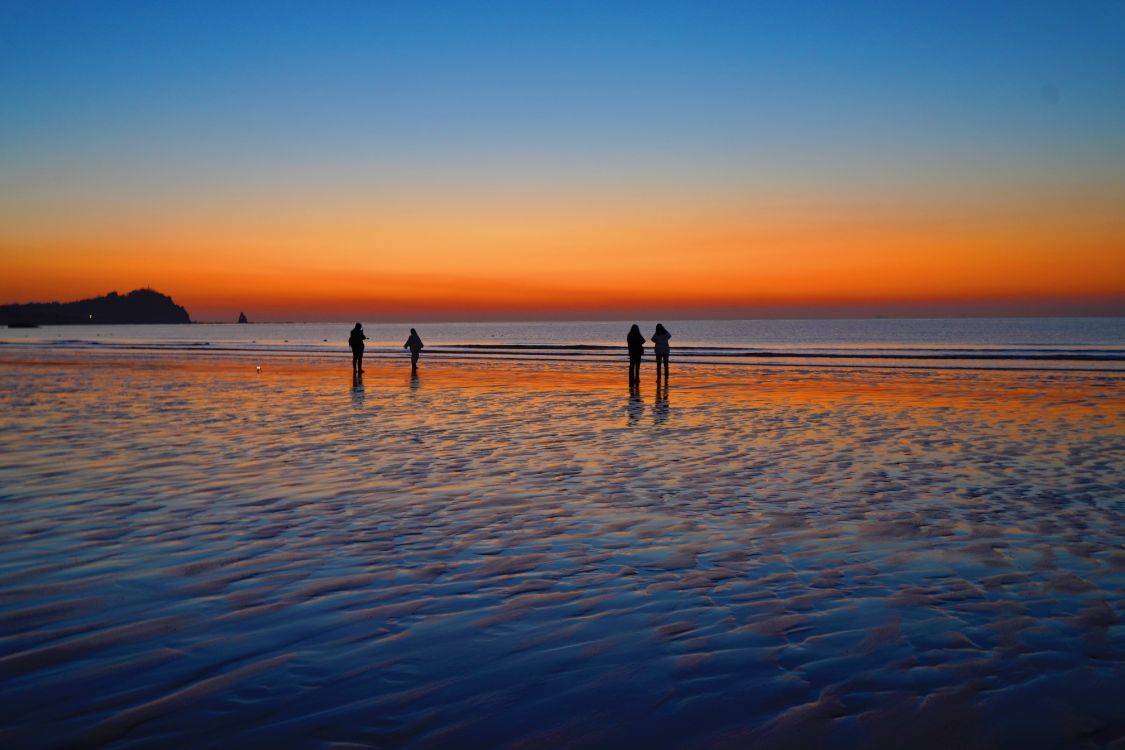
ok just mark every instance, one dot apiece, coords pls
pixel 374 320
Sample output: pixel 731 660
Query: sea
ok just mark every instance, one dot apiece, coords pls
pixel 977 343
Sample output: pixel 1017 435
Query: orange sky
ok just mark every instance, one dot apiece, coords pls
pixel 557 256
pixel 566 160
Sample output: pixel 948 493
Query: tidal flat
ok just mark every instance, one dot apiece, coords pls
pixel 525 554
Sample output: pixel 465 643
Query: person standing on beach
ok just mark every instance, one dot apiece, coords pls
pixel 636 342
pixel 660 339
pixel 414 344
pixel 355 341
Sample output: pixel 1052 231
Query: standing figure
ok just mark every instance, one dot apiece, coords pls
pixel 355 341
pixel 414 344
pixel 636 344
pixel 660 339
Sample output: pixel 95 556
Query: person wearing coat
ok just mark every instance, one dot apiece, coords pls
pixel 355 341
pixel 636 344
pixel 414 344
pixel 660 339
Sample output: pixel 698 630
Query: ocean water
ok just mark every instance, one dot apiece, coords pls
pixel 1074 343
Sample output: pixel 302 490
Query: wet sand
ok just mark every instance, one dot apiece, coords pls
pixel 523 555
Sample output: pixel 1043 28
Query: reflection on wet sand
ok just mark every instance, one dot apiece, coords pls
pixel 357 389
pixel 635 408
pixel 797 558
pixel 660 406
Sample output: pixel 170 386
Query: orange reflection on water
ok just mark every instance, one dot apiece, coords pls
pixel 1018 396
pixel 277 528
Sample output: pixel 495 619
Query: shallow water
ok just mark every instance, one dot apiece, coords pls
pixel 194 553
pixel 1024 343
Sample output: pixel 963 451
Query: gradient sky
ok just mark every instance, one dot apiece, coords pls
pixel 413 160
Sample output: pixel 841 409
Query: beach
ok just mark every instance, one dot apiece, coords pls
pixel 524 554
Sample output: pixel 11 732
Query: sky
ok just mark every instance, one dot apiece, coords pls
pixel 472 161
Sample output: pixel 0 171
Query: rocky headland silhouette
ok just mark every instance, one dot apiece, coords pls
pixel 138 306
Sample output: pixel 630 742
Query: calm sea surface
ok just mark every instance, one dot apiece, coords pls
pixel 1085 343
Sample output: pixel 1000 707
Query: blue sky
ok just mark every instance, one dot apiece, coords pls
pixel 121 119
pixel 565 84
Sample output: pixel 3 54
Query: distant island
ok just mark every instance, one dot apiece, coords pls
pixel 138 306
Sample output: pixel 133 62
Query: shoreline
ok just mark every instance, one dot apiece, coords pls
pixel 17 353
pixel 1000 391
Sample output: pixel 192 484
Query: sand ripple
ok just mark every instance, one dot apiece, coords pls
pixel 192 554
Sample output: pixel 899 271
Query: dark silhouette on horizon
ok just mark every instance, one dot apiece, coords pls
pixel 414 344
pixel 636 344
pixel 355 341
pixel 242 318
pixel 138 306
pixel 660 339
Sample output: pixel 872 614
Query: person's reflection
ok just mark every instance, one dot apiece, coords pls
pixel 414 381
pixel 357 389
pixel 660 405
pixel 635 408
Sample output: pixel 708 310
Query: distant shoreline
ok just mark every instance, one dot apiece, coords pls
pixel 139 306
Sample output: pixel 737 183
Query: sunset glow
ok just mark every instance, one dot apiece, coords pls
pixel 545 164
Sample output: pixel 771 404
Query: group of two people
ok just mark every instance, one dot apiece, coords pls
pixel 357 337
pixel 635 341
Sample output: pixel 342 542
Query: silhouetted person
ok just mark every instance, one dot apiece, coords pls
pixel 636 344
pixel 355 341
pixel 660 339
pixel 414 344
